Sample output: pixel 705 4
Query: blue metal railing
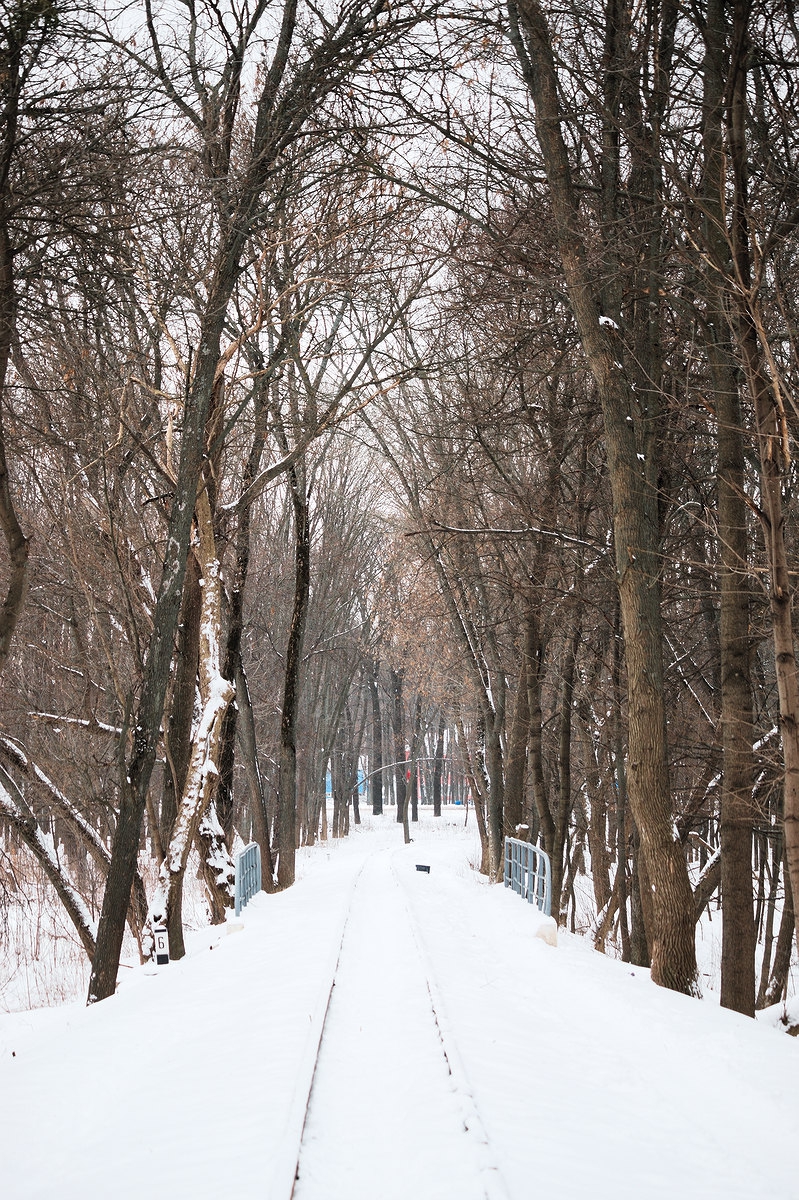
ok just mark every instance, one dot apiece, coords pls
pixel 529 872
pixel 248 874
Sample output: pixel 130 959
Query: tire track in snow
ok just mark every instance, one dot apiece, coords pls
pixel 284 1174
pixel 389 1112
pixel 491 1176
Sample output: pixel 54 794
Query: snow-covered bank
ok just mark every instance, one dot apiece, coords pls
pixel 191 1081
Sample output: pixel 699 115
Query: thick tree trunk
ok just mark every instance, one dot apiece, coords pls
pixel 635 527
pixel 216 692
pixel 737 809
pixel 217 865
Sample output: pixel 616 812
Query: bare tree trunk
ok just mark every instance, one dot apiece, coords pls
pixel 398 728
pixel 597 822
pixel 217 865
pixel 777 855
pixel 438 765
pixel 376 758
pixel 540 797
pixel 216 692
pixel 177 739
pixel 287 788
pixel 21 34
pixel 631 945
pixel 738 927
pixel 737 810
pixel 417 736
pixel 516 770
pixel 478 788
pixel 564 769
pixel 778 981
pixel 235 623
pixel 255 785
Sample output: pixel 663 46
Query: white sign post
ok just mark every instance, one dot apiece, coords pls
pixel 161 946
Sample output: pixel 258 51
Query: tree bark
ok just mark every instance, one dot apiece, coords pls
pixel 376 758
pixel 778 980
pixel 737 811
pixel 631 943
pixel 438 765
pixel 255 785
pixel 564 769
pixel 417 735
pixel 235 624
pixel 398 728
pixel 216 692
pixel 30 27
pixel 516 770
pixel 177 741
pixel 287 787
pixel 540 797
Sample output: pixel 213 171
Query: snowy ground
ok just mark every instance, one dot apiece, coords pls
pixel 460 1057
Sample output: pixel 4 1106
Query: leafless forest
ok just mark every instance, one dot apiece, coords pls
pixel 406 393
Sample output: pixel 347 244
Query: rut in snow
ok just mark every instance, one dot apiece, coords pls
pixel 389 1112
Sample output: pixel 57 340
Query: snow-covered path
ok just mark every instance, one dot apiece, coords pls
pixel 573 1073
pixel 382 1082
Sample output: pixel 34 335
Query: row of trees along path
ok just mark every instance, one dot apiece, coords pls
pixel 403 395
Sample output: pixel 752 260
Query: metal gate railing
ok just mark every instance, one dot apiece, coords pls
pixel 529 872
pixel 248 874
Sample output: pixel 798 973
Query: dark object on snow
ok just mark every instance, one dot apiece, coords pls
pixel 420 867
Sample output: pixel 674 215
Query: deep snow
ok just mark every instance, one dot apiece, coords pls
pixel 573 1072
